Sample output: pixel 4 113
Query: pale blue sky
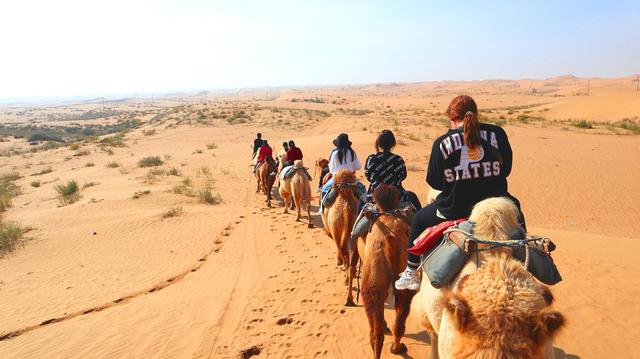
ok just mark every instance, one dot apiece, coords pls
pixel 73 47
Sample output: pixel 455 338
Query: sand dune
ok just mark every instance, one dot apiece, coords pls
pixel 108 276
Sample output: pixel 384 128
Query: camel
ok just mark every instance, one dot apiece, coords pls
pixel 384 254
pixel 298 187
pixel 338 219
pixel 321 164
pixel 266 178
pixel 493 308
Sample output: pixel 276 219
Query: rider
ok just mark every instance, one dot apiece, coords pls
pixel 257 143
pixel 342 157
pixel 266 154
pixel 469 163
pixel 293 154
pixel 388 168
pixel 282 155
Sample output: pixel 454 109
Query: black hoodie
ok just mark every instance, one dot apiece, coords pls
pixel 466 179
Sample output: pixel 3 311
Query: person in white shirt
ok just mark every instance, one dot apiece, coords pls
pixel 342 157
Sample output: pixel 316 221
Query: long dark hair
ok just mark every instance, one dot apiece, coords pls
pixel 385 141
pixel 342 153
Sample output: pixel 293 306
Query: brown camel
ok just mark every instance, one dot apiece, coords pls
pixel 338 219
pixel 266 178
pixel 384 256
pixel 298 187
pixel 499 311
pixel 502 315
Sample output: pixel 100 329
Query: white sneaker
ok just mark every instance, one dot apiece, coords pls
pixel 409 279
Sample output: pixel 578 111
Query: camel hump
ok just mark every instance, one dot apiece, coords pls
pixel 298 164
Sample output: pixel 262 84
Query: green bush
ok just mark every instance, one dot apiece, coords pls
pixel 583 124
pixel 172 212
pixel 140 194
pixel 150 161
pixel 10 235
pixel 68 193
pixel 206 196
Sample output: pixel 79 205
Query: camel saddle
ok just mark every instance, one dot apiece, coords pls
pixel 332 194
pixel 289 171
pixel 446 260
pixel 364 222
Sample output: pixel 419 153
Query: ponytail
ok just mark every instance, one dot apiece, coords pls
pixel 464 108
pixel 471 128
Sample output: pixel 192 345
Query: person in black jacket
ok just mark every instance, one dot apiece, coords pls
pixel 257 143
pixel 388 168
pixel 469 163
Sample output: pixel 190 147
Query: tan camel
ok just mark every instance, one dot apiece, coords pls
pixel 298 187
pixel 384 254
pixel 491 321
pixel 338 219
pixel 266 178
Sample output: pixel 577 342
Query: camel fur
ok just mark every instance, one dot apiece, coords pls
pixel 384 254
pixel 493 308
pixel 266 179
pixel 298 187
pixel 338 221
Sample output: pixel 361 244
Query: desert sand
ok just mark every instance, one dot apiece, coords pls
pixel 110 276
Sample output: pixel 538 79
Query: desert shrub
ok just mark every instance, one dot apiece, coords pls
pixel 10 235
pixel 89 164
pixel 150 161
pixel 172 212
pixel 150 132
pixel 113 164
pixel 212 146
pixel 84 152
pixel 583 124
pixel 204 171
pixel 206 196
pixel 89 184
pixel 174 172
pixel 197 150
pixel 74 147
pixel 8 190
pixel 68 193
pixel 139 194
pixel 157 172
pixel 35 184
pixel 116 140
pixel 629 125
pixel 41 137
pixel 183 188
pixel 500 122
pixel 10 177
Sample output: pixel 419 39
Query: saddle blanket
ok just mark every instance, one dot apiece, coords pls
pixel 288 172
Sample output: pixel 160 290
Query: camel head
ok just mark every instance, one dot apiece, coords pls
pixel 322 163
pixel 501 311
pixel 495 219
pixel 386 197
pixel 344 177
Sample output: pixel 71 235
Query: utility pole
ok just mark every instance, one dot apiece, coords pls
pixel 587 87
pixel 637 80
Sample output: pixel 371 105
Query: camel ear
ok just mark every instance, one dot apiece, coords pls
pixel 460 312
pixel 548 325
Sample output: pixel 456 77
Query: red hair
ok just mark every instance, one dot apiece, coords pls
pixel 464 108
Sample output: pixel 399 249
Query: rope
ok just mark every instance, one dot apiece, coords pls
pixel 358 280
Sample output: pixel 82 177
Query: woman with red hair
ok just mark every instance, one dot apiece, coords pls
pixel 469 163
